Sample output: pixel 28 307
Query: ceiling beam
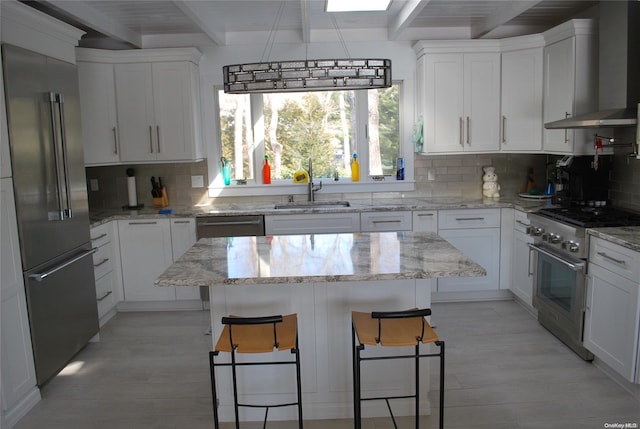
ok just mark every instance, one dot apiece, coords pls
pixel 505 14
pixel 405 17
pixel 91 17
pixel 305 6
pixel 197 12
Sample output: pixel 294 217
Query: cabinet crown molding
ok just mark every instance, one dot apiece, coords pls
pixel 423 47
pixel 139 55
pixel 522 42
pixel 573 27
pixel 31 29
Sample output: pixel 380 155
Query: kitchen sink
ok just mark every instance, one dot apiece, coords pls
pixel 313 205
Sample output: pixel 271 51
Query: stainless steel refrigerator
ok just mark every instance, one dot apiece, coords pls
pixel 43 114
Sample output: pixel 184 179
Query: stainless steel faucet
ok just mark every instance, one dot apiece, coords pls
pixel 312 188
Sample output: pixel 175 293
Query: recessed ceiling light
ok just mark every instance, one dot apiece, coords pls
pixel 357 5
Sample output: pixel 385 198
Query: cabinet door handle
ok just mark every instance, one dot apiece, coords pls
pixel 504 131
pixel 104 296
pixel 143 223
pixel 461 132
pixel 566 131
pixel 104 261
pixel 459 219
pixel 468 123
pixel 115 141
pixel 158 136
pixel 99 237
pixel 529 270
pixel 609 258
pixel 151 138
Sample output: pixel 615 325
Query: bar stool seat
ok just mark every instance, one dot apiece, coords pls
pixel 393 329
pixel 256 335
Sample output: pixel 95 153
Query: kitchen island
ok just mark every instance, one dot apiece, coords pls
pixel 322 278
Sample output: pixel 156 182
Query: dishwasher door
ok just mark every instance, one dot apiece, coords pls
pixel 227 226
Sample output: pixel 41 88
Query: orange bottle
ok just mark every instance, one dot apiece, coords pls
pixel 266 171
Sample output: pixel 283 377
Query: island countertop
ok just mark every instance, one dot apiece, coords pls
pixel 318 258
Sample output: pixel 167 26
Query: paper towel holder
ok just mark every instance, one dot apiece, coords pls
pixel 131 192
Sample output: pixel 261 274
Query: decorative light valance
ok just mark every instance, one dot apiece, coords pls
pixel 307 75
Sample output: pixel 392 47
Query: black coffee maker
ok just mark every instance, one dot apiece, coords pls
pixel 579 181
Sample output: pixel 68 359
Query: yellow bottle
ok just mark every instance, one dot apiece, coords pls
pixel 355 168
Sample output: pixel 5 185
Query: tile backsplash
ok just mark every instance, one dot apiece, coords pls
pixel 436 176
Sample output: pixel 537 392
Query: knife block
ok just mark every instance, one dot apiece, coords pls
pixel 161 202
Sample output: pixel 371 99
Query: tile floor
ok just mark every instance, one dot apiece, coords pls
pixel 504 370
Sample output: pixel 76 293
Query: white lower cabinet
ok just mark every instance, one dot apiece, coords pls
pixel 476 233
pixel 106 277
pixel 425 221
pixel 183 236
pixel 612 317
pixel 385 221
pixel 311 223
pixel 19 390
pixel 145 252
pixel 521 278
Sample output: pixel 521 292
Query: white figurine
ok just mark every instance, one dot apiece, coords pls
pixel 490 186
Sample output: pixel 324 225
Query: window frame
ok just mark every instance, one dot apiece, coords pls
pixel 345 185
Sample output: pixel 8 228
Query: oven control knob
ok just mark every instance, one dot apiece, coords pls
pixel 554 238
pixel 536 231
pixel 572 246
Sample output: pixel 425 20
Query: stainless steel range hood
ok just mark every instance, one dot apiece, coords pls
pixel 619 70
pixel 625 117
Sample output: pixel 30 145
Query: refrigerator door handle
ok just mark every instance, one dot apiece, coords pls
pixel 52 98
pixel 65 161
pixel 41 276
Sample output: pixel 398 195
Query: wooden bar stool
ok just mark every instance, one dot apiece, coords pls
pixel 393 329
pixel 256 335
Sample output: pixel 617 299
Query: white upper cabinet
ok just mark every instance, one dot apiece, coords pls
pixel 459 95
pixel 570 84
pixel 521 106
pixel 99 122
pixel 156 94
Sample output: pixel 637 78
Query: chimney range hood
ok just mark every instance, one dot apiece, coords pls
pixel 619 42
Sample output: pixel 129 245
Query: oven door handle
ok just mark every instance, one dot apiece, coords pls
pixel 573 266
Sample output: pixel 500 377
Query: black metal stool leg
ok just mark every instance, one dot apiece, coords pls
pixel 417 364
pixel 235 388
pixel 441 345
pixel 298 384
pixel 214 394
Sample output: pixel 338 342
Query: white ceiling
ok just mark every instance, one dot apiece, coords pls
pixel 153 23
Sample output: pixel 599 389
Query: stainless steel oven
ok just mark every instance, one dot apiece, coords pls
pixel 559 294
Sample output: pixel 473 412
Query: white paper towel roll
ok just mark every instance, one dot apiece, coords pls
pixel 131 189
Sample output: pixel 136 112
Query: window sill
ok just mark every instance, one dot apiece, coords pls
pixel 328 187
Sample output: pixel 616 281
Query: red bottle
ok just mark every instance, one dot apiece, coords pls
pixel 266 171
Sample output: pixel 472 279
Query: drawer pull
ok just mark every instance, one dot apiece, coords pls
pixel 425 214
pixel 104 261
pixel 386 221
pixel 143 223
pixel 459 219
pixel 181 221
pixel 99 237
pixel 609 258
pixel 104 296
pixel 522 223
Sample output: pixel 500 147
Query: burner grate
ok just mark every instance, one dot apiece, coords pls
pixel 592 217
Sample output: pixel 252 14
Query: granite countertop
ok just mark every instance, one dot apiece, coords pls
pixel 268 208
pixel 318 258
pixel 626 236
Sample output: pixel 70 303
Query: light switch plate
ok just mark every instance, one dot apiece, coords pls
pixel 197 181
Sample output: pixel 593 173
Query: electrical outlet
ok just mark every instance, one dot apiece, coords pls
pixel 94 185
pixel 197 181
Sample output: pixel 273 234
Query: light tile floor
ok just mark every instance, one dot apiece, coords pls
pixel 150 370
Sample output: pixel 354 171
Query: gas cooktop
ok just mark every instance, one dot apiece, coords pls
pixel 591 217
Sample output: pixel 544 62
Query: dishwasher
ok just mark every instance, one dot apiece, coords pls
pixel 227 226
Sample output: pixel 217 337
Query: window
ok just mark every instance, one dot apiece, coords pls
pixel 328 126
